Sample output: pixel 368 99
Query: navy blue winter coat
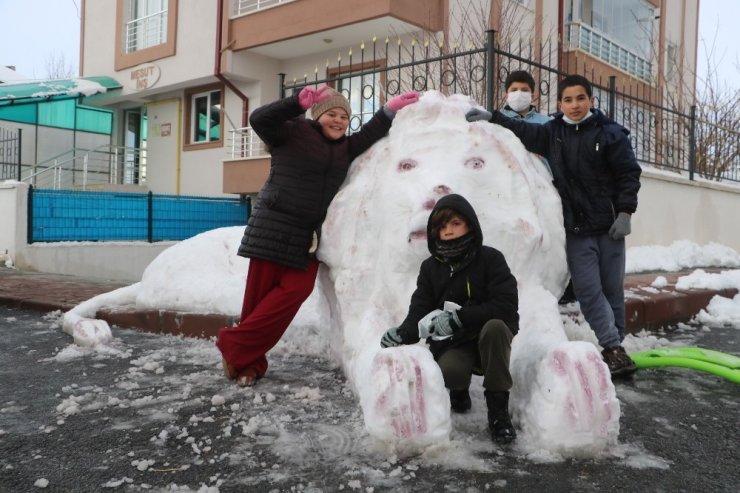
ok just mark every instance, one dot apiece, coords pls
pixel 593 165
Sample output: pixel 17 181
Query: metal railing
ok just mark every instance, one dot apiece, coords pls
pixel 11 144
pixel 243 7
pixel 243 143
pixel 687 140
pixel 83 168
pixel 146 31
pixel 584 37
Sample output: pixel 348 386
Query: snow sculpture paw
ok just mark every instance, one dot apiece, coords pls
pixel 574 393
pixel 402 404
pixel 88 332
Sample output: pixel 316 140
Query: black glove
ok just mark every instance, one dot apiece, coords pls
pixel 391 338
pixel 445 324
pixel 478 114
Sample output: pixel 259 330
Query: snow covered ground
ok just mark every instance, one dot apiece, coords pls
pixel 153 413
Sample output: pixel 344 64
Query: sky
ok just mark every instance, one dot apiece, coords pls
pixel 32 31
pixel 370 269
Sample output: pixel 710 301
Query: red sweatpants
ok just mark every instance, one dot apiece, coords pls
pixel 273 295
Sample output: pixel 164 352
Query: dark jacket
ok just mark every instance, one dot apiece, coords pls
pixel 306 172
pixel 593 165
pixel 486 288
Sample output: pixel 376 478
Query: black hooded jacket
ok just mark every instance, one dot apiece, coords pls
pixel 593 165
pixel 485 288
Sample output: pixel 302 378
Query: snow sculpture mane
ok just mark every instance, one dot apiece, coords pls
pixel 374 239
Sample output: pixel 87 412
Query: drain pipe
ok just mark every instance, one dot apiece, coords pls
pixel 217 69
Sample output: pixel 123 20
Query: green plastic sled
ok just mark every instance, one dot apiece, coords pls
pixel 717 363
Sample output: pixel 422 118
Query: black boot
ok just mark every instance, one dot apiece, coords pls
pixel 499 421
pixel 460 400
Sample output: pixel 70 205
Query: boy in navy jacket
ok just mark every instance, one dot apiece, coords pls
pixel 597 176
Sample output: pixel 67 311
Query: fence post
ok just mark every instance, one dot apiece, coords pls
pixel 490 59
pixel 612 96
pixel 249 206
pixel 20 149
pixel 149 219
pixel 29 215
pixel 692 142
pixel 281 91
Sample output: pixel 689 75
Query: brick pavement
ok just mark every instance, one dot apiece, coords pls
pixel 646 307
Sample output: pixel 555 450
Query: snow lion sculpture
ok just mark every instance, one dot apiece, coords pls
pixel 374 239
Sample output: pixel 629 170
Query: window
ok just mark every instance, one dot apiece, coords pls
pixel 206 122
pixel 145 31
pixel 146 25
pixel 204 116
pixel 628 22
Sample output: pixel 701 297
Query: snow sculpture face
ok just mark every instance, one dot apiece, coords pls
pixel 374 240
pixel 374 237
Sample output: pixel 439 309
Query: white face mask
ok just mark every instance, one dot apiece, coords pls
pixel 519 100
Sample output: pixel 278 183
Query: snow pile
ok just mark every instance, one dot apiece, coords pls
pixel 682 254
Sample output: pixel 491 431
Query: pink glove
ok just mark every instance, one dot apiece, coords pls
pixel 310 96
pixel 402 100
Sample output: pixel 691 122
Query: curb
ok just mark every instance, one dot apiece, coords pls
pixel 668 307
pixel 645 307
pixel 202 325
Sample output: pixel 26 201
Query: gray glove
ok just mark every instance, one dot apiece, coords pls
pixel 391 338
pixel 621 226
pixel 478 114
pixel 445 324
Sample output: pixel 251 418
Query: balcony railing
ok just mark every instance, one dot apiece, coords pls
pixel 243 143
pixel 82 168
pixel 150 30
pixel 584 37
pixel 242 7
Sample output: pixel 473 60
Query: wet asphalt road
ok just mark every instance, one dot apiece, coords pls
pixel 154 413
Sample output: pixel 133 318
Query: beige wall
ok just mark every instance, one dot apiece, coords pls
pixel 672 208
pixel 196 37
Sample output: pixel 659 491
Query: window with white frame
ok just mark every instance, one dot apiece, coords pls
pixel 205 117
pixel 146 24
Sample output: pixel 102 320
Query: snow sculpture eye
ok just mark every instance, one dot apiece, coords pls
pixel 407 165
pixel 475 163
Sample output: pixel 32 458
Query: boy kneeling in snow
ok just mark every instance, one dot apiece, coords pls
pixel 466 301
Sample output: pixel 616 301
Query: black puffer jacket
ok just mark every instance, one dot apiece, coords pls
pixel 486 288
pixel 306 172
pixel 593 165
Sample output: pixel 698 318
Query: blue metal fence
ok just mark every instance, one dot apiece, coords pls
pixel 70 215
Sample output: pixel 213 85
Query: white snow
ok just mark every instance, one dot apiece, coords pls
pixel 563 400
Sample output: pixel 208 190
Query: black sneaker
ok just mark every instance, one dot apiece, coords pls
pixel 460 400
pixel 619 363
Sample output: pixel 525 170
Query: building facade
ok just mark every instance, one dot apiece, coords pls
pixel 192 71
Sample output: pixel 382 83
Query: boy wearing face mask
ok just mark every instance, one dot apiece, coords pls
pixel 519 94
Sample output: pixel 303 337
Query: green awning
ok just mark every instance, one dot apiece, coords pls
pixel 55 90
